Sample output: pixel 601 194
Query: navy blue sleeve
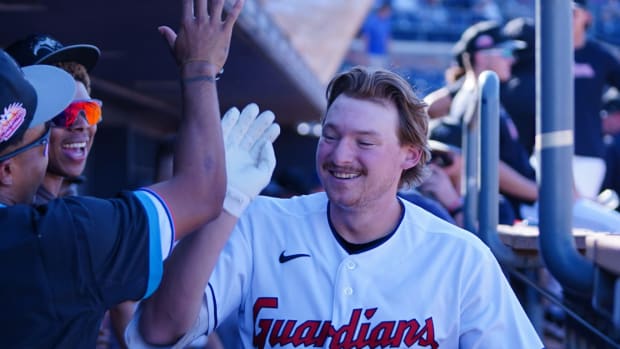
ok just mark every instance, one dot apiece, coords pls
pixel 109 247
pixel 429 205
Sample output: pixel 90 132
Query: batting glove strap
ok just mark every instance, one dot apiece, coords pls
pixel 235 201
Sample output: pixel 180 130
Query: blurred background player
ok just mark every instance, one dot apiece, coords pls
pixel 595 69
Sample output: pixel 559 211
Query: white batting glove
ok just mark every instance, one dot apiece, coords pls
pixel 250 159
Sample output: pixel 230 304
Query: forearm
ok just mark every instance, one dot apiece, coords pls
pixel 120 315
pixel 439 103
pixel 513 183
pixel 199 170
pixel 174 307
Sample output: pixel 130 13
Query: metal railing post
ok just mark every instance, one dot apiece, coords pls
pixel 554 144
pixel 488 210
pixel 470 176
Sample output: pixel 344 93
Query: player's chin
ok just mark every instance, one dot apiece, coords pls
pixel 342 198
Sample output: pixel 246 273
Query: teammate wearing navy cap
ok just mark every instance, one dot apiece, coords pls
pixel 595 69
pixel 72 135
pixel 44 49
pixel 353 267
pixel 63 264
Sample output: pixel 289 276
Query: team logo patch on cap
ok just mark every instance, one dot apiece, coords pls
pixel 484 41
pixel 47 44
pixel 10 120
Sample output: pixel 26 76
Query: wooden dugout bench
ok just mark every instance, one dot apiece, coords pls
pixel 603 249
pixel 523 240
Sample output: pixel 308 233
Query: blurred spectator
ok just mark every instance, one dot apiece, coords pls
pixel 518 94
pixel 439 187
pixel 519 8
pixel 611 107
pixel 405 6
pixel 595 68
pixel 482 47
pixel 434 14
pixel 610 112
pixel 458 4
pixel 439 101
pixel 487 10
pixel 436 193
pixel 443 184
pixel 376 33
pixel 610 17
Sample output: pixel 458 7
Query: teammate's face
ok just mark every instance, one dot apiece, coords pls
pixel 69 146
pixel 581 20
pixel 29 167
pixel 498 60
pixel 359 158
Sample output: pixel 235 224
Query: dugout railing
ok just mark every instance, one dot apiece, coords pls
pixel 586 264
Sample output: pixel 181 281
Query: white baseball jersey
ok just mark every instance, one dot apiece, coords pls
pixel 429 285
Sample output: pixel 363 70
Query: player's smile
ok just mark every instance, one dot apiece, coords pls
pixel 75 149
pixel 70 145
pixel 343 173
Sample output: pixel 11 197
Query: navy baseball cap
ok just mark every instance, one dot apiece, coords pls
pixel 522 28
pixel 44 49
pixel 29 97
pixel 481 36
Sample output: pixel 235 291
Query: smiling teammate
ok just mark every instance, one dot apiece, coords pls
pixel 349 268
pixel 64 263
pixel 73 130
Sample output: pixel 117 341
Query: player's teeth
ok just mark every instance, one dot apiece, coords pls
pixel 344 175
pixel 75 145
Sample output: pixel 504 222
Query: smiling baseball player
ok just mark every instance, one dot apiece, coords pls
pixel 349 268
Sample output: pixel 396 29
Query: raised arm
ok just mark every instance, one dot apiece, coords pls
pixel 195 193
pixel 250 161
pixel 438 102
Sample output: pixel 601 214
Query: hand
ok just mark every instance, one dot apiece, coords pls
pixel 250 159
pixel 202 36
pixel 438 186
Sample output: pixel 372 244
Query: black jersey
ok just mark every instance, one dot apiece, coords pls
pixel 595 68
pixel 63 264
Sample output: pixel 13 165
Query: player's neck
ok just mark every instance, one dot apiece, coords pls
pixel 52 183
pixel 362 225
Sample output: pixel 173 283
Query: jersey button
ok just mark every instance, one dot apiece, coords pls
pixel 348 291
pixel 351 265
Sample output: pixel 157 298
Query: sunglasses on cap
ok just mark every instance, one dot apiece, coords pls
pixel 89 108
pixel 43 140
pixel 503 52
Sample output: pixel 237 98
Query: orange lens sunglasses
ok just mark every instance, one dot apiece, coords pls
pixel 89 108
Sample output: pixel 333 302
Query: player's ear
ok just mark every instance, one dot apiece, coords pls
pixel 413 155
pixel 6 172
